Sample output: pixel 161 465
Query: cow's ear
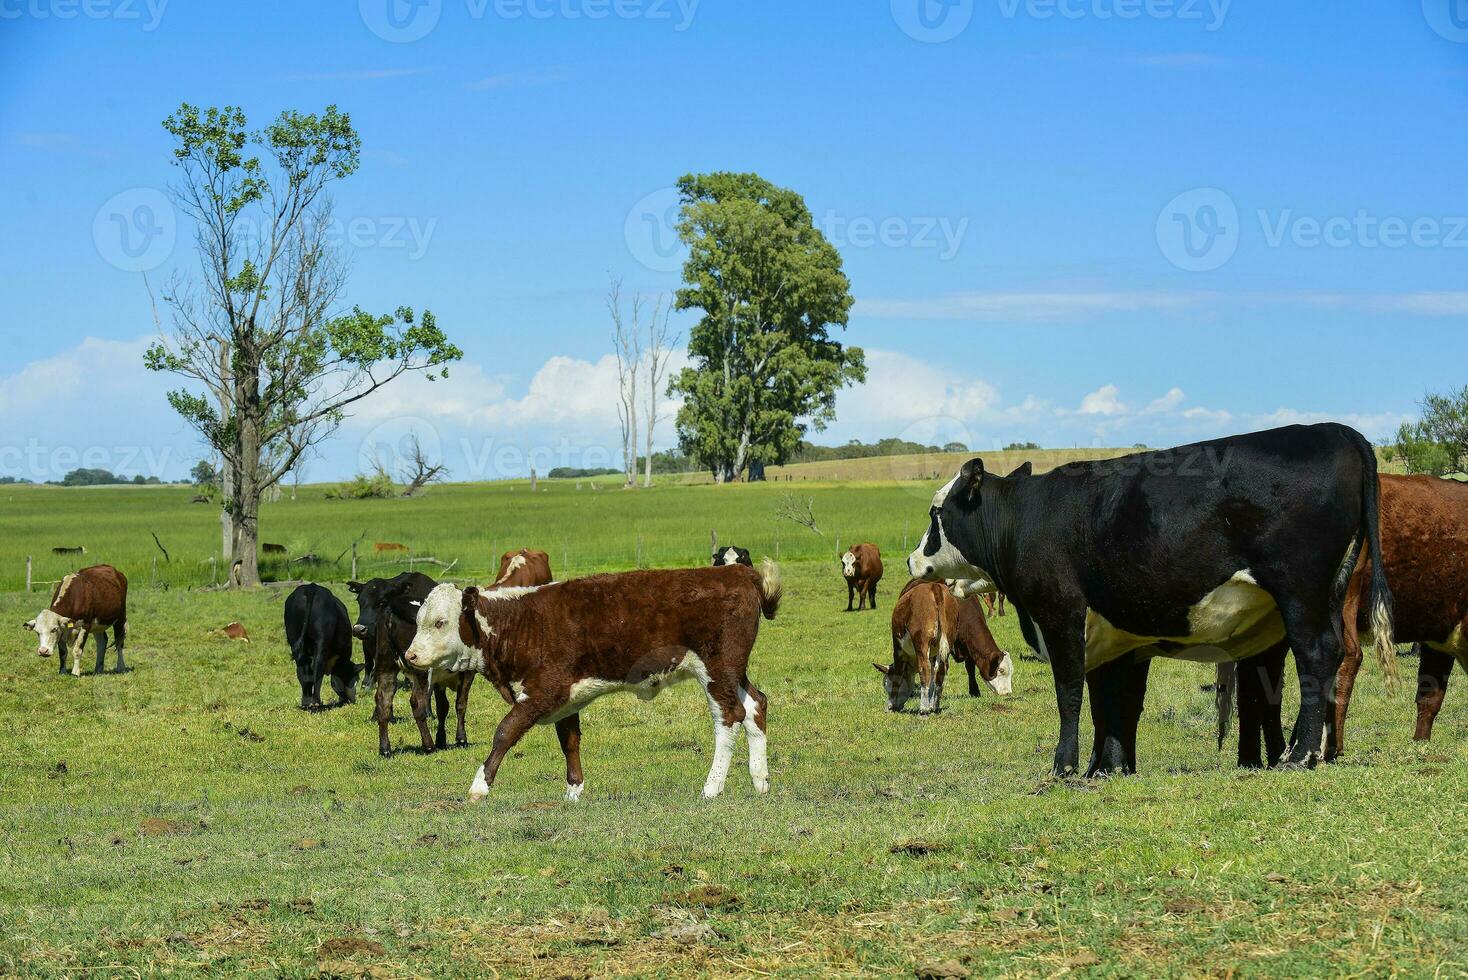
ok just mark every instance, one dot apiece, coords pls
pixel 30 625
pixel 469 613
pixel 881 669
pixel 355 587
pixel 971 475
pixel 1024 469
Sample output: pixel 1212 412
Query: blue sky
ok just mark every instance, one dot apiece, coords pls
pixel 1078 222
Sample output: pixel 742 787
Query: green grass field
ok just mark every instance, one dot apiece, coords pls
pixel 186 817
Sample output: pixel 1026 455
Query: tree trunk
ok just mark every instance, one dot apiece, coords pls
pixel 756 470
pixel 250 476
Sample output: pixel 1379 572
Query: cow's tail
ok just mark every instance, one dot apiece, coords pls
pixel 1225 683
pixel 771 588
pixel 1380 596
pixel 298 648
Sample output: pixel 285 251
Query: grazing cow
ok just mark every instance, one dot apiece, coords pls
pixel 731 556
pixel 386 623
pixel 522 568
pixel 1214 551
pixel 552 650
pixel 861 566
pixel 320 637
pixel 383 547
pixel 924 624
pixel 1424 546
pixel 972 644
pixel 273 549
pixel 80 549
pixel 85 603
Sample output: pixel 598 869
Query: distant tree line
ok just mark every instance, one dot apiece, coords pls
pixel 807 452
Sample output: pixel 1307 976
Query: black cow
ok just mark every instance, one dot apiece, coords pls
pixel 387 620
pixel 732 556
pixel 1214 551
pixel 320 636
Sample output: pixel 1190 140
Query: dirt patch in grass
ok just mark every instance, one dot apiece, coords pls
pixel 159 827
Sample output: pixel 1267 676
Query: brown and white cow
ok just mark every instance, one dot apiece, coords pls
pixel 1424 549
pixel 971 643
pixel 924 625
pixel 522 568
pixel 85 603
pixel 861 566
pixel 553 649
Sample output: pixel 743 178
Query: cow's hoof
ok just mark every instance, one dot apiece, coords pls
pixel 573 791
pixel 761 786
pixel 461 743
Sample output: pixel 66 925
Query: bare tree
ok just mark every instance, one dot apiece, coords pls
pixel 791 509
pixel 660 343
pixel 419 472
pixel 262 329
pixel 627 343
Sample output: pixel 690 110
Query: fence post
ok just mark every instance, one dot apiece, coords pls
pixel 565 553
pixel 27 573
pixel 639 551
pixel 155 571
pixel 354 561
pixel 713 539
pixel 213 570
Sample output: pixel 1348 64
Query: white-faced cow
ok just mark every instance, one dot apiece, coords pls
pixel 320 638
pixel 1214 551
pixel 387 618
pixel 861 566
pixel 731 556
pixel 523 567
pixel 552 650
pixel 85 603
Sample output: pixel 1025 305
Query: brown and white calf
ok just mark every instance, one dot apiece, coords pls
pixel 861 566
pixel 970 642
pixel 551 650
pixel 522 568
pixel 85 603
pixel 924 625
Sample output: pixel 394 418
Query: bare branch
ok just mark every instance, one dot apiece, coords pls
pixel 792 509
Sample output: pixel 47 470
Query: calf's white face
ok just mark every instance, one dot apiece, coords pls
pixel 1003 682
pixel 848 564
pixel 731 557
pixel 53 632
pixel 437 642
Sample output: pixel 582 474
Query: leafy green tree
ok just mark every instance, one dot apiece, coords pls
pixel 769 288
pixel 1438 442
pixel 262 330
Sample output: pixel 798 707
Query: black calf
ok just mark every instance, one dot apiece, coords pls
pixel 320 637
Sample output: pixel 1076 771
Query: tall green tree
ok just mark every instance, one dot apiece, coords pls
pixel 1438 442
pixel 769 288
pixel 271 357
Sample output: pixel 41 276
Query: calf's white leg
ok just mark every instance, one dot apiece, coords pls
pixel 759 767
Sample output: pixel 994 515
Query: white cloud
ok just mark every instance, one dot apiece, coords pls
pixel 1166 403
pixel 1105 400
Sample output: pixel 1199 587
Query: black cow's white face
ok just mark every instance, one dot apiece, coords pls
pixel 941 553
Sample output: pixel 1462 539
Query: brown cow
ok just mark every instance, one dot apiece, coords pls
pixel 272 549
pixel 1424 548
pixel 552 650
pixel 924 624
pixel 523 568
pixel 972 644
pixel 85 603
pixel 234 631
pixel 382 547
pixel 861 566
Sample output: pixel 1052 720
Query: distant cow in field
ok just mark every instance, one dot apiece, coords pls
pixel 320 638
pixel 80 549
pixel 85 603
pixel 386 622
pixel 861 566
pixel 1424 549
pixel 273 549
pixel 385 547
pixel 523 567
pixel 552 650
pixel 731 556
pixel 234 631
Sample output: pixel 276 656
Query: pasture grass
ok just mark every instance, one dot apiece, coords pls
pixel 186 817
